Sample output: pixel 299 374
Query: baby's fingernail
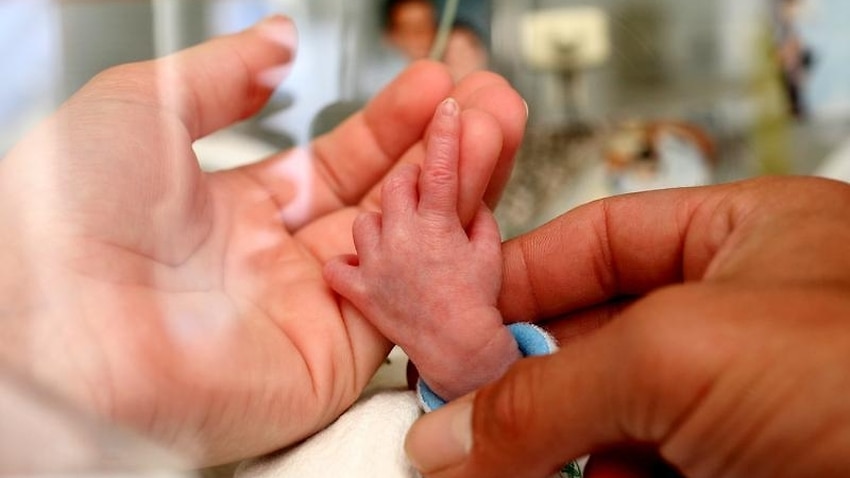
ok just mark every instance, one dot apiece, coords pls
pixel 442 438
pixel 449 107
pixel 525 103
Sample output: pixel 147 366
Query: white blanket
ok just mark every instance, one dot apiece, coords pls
pixel 366 441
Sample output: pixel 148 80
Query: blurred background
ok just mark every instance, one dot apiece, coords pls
pixel 624 95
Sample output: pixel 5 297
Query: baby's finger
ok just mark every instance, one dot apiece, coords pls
pixel 484 230
pixel 367 233
pixel 438 182
pixel 399 195
pixel 343 276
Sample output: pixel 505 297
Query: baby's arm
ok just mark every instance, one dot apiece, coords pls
pixel 426 283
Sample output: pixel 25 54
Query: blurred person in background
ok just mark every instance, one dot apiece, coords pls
pixel 410 26
pixel 408 29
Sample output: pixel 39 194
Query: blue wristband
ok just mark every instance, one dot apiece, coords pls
pixel 531 340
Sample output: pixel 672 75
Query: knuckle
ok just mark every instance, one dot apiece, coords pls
pixel 364 223
pixel 441 173
pixel 394 184
pixel 402 180
pixel 509 410
pixel 667 340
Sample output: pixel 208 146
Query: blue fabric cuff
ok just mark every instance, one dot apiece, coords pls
pixel 531 340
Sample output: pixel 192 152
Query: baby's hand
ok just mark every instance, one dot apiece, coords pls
pixel 426 283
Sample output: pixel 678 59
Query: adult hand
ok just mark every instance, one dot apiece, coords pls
pixel 732 361
pixel 191 306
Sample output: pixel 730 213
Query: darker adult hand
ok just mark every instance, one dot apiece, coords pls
pixel 707 330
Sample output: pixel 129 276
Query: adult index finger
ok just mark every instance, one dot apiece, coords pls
pixel 615 247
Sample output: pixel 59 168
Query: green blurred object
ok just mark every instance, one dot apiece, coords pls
pixel 571 470
pixel 446 22
pixel 772 129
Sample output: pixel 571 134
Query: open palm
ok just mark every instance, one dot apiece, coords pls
pixel 191 306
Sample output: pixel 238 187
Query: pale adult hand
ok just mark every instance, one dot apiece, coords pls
pixel 191 306
pixel 731 362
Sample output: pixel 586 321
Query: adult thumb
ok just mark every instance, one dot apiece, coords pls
pixel 211 85
pixel 601 391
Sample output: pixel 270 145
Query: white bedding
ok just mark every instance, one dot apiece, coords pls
pixel 366 441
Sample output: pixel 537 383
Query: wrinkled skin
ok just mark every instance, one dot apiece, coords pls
pixel 730 358
pixel 191 306
pixel 427 284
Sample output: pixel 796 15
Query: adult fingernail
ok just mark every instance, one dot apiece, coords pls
pixel 279 29
pixel 527 111
pixel 442 438
pixel 274 19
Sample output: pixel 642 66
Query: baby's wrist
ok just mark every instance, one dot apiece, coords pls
pixel 470 364
pixel 526 340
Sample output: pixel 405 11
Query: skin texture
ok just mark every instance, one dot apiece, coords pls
pixel 422 280
pixel 187 305
pixel 705 328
